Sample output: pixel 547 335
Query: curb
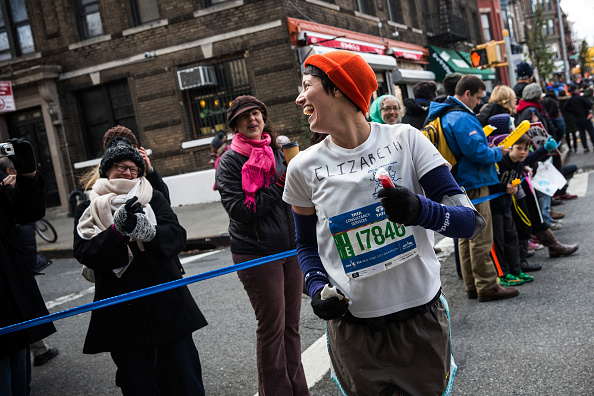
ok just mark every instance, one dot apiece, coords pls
pixel 203 243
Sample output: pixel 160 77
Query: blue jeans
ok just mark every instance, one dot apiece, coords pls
pixel 560 125
pixel 544 201
pixel 15 374
pixel 172 368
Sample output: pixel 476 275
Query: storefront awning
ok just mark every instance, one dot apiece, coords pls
pixel 406 76
pixel 444 61
pixel 303 33
pixel 377 62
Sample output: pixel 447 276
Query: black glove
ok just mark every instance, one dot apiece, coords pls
pixel 401 205
pixel 331 308
pixel 124 219
pixel 24 157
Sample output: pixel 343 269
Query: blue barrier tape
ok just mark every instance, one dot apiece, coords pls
pixel 487 198
pixel 167 286
pixel 144 292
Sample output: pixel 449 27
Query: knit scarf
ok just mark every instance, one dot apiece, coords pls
pixel 106 197
pixel 258 169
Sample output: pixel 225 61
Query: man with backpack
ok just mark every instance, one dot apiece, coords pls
pixel 475 171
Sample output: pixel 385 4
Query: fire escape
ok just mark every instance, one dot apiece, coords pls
pixel 448 25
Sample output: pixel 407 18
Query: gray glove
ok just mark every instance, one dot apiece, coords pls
pixel 144 231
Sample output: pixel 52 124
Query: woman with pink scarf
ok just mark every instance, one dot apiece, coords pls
pixel 250 179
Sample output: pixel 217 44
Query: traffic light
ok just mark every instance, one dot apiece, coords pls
pixel 488 55
pixel 479 57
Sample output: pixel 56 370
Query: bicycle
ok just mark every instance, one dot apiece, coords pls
pixel 46 231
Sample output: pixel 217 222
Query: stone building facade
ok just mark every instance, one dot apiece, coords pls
pixel 168 69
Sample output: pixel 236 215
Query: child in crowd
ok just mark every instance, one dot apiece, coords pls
pixel 505 236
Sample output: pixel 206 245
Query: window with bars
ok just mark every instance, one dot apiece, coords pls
pixel 101 108
pixel 145 11
pixel 89 18
pixel 16 38
pixel 395 11
pixel 209 90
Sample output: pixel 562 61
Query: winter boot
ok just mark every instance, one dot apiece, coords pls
pixel 556 249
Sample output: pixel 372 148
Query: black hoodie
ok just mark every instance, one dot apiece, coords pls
pixel 416 112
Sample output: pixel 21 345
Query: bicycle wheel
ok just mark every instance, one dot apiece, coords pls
pixel 46 231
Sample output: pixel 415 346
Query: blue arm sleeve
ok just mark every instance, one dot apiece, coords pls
pixel 307 253
pixel 450 221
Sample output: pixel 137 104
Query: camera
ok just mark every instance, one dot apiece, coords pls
pixel 6 149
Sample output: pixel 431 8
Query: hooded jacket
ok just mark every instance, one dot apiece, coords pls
pixel 489 110
pixel 465 137
pixel 268 230
pixel 416 112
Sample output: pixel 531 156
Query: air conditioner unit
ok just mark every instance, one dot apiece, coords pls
pixel 199 76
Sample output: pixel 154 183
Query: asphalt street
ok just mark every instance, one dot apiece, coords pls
pixel 540 343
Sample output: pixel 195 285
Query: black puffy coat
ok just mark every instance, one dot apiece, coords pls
pixel 151 320
pixel 415 114
pixel 20 298
pixel 489 110
pixel 267 230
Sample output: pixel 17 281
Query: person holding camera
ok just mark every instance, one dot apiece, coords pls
pixel 19 293
pixel 130 237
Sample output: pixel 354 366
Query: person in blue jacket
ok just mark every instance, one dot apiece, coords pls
pixel 475 171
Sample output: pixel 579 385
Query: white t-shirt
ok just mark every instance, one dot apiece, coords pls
pixel 381 267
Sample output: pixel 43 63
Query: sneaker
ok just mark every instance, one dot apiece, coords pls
pixel 567 197
pixel 586 150
pixel 556 215
pixel 530 253
pixel 527 267
pixel 524 277
pixel 556 226
pixel 510 280
pixel 535 246
pixel 557 201
pixel 45 357
pixel 498 293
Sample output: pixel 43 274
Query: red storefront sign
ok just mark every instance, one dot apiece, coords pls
pixel 340 44
pixel 6 98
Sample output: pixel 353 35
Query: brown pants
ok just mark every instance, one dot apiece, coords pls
pixel 413 357
pixel 477 267
pixel 275 290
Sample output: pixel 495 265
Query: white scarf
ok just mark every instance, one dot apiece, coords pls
pixel 106 197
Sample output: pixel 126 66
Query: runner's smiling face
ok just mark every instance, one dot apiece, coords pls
pixel 316 103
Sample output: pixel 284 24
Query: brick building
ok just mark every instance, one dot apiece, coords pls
pixel 169 69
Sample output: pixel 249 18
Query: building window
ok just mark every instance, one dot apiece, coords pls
pixel 363 6
pixel 395 11
pixel 145 11
pixel 486 27
pixel 551 27
pixel 89 18
pixel 414 16
pixel 101 108
pixel 209 91
pixel 16 38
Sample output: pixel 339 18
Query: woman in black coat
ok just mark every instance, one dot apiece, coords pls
pixel 134 247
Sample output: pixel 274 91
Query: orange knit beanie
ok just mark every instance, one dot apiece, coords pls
pixel 350 73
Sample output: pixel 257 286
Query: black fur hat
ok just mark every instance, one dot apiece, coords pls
pixel 120 149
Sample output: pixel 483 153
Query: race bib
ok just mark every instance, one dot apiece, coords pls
pixel 368 243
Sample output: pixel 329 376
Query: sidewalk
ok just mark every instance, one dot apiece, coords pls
pixel 206 226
